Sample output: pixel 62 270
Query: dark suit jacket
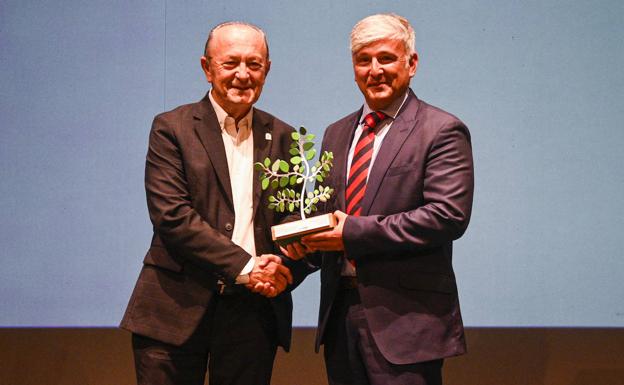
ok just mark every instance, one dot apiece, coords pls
pixel 189 197
pixel 418 200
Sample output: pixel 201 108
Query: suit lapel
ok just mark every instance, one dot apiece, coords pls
pixel 399 131
pixel 342 142
pixel 207 129
pixel 262 141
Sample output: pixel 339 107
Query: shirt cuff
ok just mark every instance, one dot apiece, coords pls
pixel 243 277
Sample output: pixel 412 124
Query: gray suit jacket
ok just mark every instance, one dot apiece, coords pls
pixel 418 200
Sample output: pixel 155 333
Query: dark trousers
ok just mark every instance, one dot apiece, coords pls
pixel 352 357
pixel 236 341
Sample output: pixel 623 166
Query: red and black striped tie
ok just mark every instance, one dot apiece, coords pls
pixel 358 173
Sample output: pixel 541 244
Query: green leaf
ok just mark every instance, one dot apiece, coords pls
pixel 319 178
pixel 258 166
pixel 272 206
pixel 295 136
pixel 265 183
pixel 293 180
pixel 284 166
pixel 272 198
pixel 308 145
pixel 310 154
pixel 307 211
pixel 303 130
pixel 283 181
pixel 326 167
pixel 291 207
pixel 310 137
pixel 276 166
pixel 299 180
pixel 274 183
pixel 281 207
pixel 295 160
pixel 294 151
pixel 267 162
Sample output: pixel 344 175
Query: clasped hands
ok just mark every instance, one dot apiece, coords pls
pixel 269 277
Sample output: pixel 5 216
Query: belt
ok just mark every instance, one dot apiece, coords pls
pixel 223 289
pixel 348 283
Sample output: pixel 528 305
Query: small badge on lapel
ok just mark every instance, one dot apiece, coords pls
pixel 267 136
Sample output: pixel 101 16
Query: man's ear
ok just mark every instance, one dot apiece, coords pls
pixel 205 64
pixel 413 64
pixel 268 67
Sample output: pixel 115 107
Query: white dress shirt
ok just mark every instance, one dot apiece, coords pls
pixel 239 149
pixel 380 133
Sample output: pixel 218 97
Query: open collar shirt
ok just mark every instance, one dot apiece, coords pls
pixel 238 143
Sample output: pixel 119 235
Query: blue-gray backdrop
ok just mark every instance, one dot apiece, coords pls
pixel 539 83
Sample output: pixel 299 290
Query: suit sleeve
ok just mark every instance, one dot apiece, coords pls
pixel 445 212
pixel 171 211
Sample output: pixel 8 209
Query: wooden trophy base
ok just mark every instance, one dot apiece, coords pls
pixel 293 231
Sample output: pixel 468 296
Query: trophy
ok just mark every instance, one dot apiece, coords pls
pixel 285 176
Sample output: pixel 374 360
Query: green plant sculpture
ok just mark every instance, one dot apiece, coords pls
pixel 284 176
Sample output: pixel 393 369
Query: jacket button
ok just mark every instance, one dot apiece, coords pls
pixel 229 227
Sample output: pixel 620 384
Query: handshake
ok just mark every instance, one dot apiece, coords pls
pixel 269 276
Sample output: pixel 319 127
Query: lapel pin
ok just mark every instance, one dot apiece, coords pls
pixel 267 136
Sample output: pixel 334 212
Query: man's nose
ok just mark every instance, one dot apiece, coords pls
pixel 242 72
pixel 376 68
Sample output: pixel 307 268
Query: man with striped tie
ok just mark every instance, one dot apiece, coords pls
pixel 403 180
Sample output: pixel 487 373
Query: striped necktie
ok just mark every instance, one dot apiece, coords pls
pixel 358 173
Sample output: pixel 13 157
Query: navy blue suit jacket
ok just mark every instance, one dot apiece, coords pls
pixel 418 200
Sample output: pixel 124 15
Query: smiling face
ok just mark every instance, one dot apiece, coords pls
pixel 383 70
pixel 236 66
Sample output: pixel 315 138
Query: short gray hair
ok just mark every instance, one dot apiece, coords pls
pixel 231 23
pixel 383 26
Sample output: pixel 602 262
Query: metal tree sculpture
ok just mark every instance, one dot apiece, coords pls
pixel 285 175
